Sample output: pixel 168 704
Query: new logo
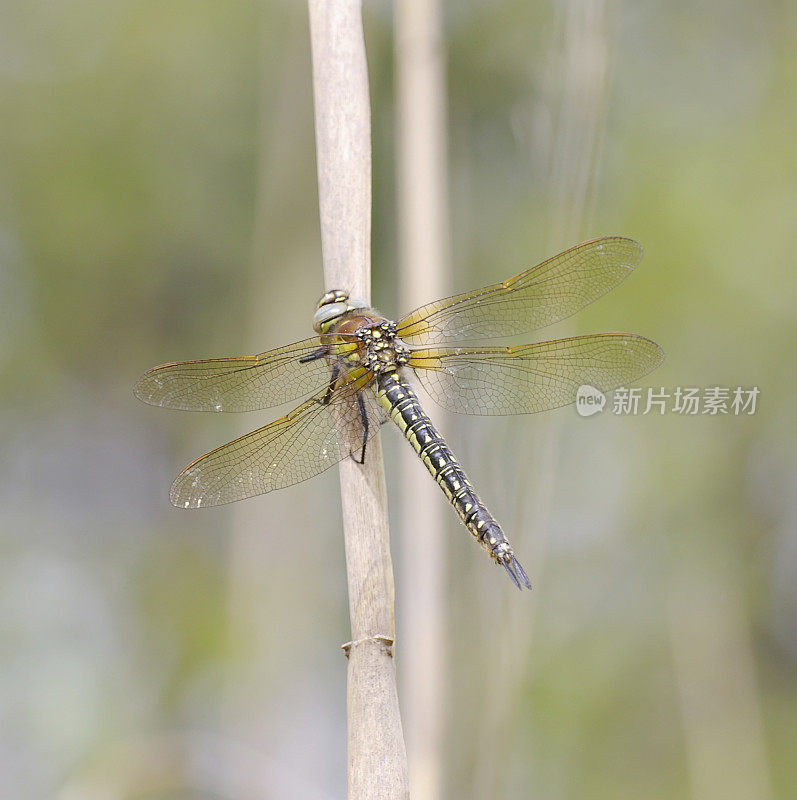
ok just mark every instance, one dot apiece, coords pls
pixel 589 400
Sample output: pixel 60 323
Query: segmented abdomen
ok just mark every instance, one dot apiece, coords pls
pixel 400 400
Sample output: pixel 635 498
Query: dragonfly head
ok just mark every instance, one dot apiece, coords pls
pixel 332 305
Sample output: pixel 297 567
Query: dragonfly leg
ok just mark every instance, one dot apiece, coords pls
pixel 325 400
pixel 315 355
pixel 366 423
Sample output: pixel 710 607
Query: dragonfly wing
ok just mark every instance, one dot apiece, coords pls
pixel 532 377
pixel 538 297
pixel 310 439
pixel 247 383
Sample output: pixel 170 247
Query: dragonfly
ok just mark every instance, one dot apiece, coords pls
pixel 355 374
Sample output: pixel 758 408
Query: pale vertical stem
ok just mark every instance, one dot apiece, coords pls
pixel 377 763
pixel 716 681
pixel 579 78
pixel 424 266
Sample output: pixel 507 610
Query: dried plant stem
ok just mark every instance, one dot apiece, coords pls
pixel 377 763
pixel 424 265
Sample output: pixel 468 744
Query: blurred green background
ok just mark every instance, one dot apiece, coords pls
pixel 158 202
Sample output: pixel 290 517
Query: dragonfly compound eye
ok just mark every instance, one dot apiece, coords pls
pixel 326 313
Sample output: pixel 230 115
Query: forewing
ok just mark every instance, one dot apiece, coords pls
pixel 247 383
pixel 532 377
pixel 540 296
pixel 312 438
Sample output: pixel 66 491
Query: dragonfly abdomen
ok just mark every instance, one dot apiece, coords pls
pixel 399 399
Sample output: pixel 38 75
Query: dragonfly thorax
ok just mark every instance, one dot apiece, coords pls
pixel 359 335
pixel 383 350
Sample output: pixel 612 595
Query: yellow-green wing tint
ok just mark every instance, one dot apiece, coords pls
pixel 532 377
pixel 540 296
pixel 247 383
pixel 312 438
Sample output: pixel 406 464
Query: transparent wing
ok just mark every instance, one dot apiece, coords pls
pixel 312 438
pixel 540 296
pixel 532 377
pixel 247 383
